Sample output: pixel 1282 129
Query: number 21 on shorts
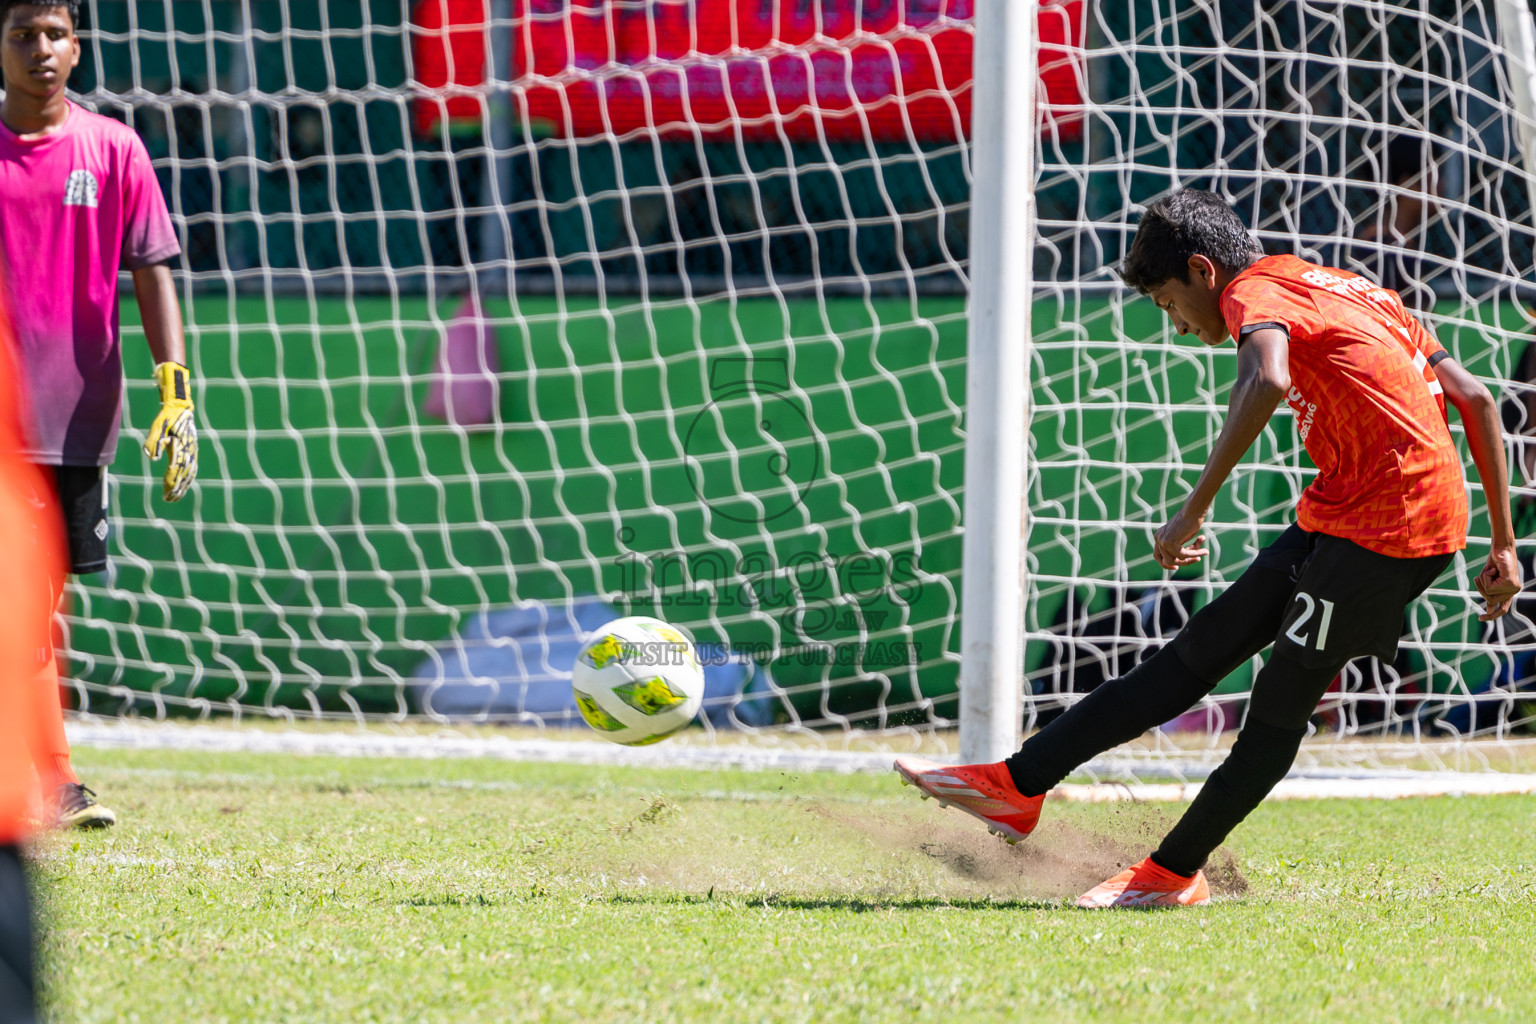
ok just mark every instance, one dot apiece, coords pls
pixel 1308 607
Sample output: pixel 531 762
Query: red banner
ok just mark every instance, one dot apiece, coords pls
pixel 843 69
pixel 448 49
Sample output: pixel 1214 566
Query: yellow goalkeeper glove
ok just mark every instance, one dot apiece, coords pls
pixel 174 427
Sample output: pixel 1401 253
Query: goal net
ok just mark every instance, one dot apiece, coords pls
pixel 511 316
pixel 1389 139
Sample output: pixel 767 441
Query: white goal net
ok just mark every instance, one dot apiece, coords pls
pixel 510 316
pixel 1389 139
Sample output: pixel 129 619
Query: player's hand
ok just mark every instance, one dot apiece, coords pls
pixel 174 429
pixel 1177 544
pixel 1499 582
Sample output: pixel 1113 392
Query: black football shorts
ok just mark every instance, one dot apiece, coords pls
pixel 82 494
pixel 1348 601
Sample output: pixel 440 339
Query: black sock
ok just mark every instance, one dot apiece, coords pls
pixel 1157 858
pixel 1157 690
pixel 1285 694
pixel 1260 758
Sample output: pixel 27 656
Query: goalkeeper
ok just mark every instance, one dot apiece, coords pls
pixel 78 200
pixel 1376 526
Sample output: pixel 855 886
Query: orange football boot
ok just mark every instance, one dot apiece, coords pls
pixel 985 791
pixel 1148 885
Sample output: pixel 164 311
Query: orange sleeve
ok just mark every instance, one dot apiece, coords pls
pixel 1426 351
pixel 1254 302
pixel 1423 341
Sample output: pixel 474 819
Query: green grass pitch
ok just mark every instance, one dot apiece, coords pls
pixel 247 887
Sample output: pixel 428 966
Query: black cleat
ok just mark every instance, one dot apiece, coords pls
pixel 78 808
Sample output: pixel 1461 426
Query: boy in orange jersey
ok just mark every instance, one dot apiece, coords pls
pixel 1376 526
pixel 34 574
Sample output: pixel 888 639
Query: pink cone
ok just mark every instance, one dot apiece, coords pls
pixel 464 386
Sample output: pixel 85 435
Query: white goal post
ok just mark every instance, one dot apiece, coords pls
pixel 1517 33
pixel 997 385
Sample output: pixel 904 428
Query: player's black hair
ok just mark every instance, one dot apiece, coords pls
pixel 72 6
pixel 1181 224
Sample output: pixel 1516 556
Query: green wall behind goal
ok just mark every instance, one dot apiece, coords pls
pixel 336 532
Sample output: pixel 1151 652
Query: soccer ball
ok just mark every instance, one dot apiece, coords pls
pixel 637 680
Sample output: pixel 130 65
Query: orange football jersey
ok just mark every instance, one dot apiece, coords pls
pixel 1368 406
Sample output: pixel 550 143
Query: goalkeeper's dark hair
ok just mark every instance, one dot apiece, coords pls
pixel 72 6
pixel 1181 224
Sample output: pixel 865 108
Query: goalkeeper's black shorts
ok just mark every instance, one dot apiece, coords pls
pixel 82 495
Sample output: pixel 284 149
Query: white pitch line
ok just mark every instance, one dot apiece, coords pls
pixel 1311 784
pixel 168 736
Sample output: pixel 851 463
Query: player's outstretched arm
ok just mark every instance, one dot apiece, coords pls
pixel 155 291
pixel 1499 581
pixel 1263 377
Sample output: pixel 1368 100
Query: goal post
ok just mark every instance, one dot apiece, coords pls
pixel 1004 126
pixel 1517 33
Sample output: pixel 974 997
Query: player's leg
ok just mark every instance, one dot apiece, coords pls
pixel 74 804
pixel 1221 636
pixel 1349 603
pixel 1238 624
pixel 17 992
pixel 1285 695
pixel 53 766
pixel 82 497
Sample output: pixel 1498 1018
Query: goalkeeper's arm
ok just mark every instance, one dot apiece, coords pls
pixel 173 427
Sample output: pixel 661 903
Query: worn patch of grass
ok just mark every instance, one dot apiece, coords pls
pixel 256 887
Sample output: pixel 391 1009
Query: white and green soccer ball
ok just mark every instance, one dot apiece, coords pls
pixel 638 680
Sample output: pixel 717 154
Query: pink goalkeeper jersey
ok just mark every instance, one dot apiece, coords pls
pixel 75 206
